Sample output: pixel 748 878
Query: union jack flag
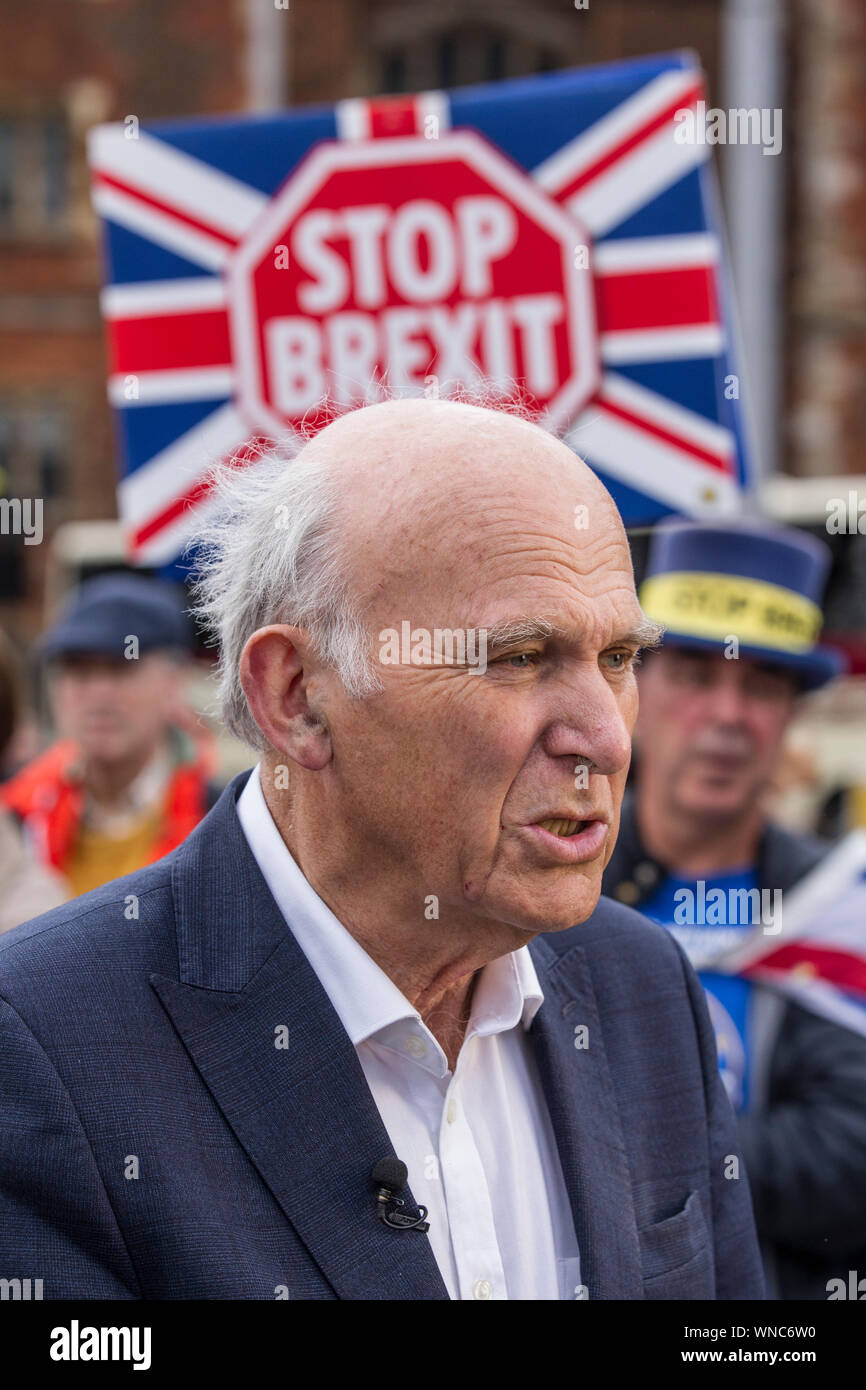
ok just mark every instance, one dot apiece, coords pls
pixel 818 958
pixel 179 201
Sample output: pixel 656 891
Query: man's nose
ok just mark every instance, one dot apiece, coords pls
pixel 591 725
pixel 98 685
pixel 727 703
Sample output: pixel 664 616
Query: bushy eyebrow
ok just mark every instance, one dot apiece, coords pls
pixel 646 634
pixel 510 632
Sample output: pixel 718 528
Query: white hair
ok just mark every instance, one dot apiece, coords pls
pixel 271 554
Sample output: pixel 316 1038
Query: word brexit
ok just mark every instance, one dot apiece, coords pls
pixel 409 290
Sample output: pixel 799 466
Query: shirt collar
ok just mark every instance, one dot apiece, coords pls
pixel 366 1000
pixel 362 994
pixel 507 993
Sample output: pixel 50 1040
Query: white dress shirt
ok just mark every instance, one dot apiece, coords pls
pixel 478 1142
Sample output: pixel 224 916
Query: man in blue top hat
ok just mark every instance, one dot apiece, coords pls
pixel 741 608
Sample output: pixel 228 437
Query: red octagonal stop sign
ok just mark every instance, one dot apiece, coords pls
pixel 407 262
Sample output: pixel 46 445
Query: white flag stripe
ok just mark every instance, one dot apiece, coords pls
pixel 151 298
pixel 656 253
pixel 168 543
pixel 823 999
pixel 667 414
pixel 845 929
pixel 433 104
pixel 635 179
pixel 661 344
pixel 353 119
pixel 169 474
pixel 160 227
pixel 557 172
pixel 637 458
pixel 158 169
pixel 180 384
pixel 827 908
pixel 806 907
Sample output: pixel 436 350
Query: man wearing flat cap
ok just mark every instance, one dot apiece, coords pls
pixel 374 1035
pixel 124 785
pixel 741 609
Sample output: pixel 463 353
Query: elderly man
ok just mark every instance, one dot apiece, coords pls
pixel 384 949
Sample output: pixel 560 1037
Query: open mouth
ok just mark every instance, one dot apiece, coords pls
pixel 563 828
pixel 566 840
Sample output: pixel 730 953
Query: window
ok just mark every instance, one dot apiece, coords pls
pixel 34 175
pixel 33 456
pixel 459 56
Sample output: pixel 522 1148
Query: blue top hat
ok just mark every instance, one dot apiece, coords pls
pixel 757 582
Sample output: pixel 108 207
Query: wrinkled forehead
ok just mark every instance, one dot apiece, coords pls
pixel 489 526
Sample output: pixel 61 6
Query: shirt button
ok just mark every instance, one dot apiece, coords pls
pixel 481 1289
pixel 451 1112
pixel 415 1046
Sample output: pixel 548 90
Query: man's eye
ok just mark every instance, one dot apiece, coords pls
pixel 623 661
pixel 519 661
pixel 696 676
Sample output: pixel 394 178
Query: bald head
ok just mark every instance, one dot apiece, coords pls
pixel 426 482
pixel 397 438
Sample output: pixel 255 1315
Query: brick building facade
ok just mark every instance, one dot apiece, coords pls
pixel 66 64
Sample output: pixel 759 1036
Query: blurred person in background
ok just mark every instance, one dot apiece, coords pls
pixel 125 784
pixel 26 886
pixel 714 707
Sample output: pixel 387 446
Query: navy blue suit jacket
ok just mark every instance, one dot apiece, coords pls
pixel 156 1143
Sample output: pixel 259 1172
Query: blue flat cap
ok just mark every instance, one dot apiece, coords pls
pixel 106 611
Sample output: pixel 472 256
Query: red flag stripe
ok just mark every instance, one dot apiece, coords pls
pixel 835 967
pixel 687 99
pixel 719 461
pixel 656 299
pixel 390 116
pixel 163 342
pixel 99 176
pixel 241 457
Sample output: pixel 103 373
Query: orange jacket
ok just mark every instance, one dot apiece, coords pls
pixel 48 797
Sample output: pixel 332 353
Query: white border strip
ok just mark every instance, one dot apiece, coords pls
pixel 163 388
pixel 166 173
pixel 153 298
pixel 619 347
pixel 561 169
pixel 642 255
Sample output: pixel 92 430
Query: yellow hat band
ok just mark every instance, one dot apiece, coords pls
pixel 720 606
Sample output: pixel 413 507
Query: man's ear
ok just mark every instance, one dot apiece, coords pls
pixel 274 673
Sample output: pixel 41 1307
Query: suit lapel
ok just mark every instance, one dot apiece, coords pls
pixel 302 1111
pixel 582 1106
